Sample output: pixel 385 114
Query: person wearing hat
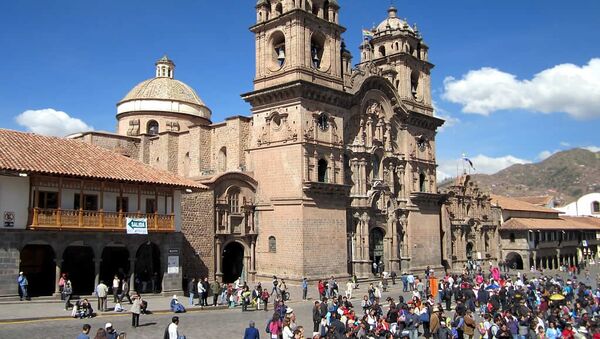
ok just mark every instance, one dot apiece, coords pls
pixel 111 333
pixel 23 285
pixel 176 306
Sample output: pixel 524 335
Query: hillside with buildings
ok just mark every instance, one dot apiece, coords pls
pixel 565 175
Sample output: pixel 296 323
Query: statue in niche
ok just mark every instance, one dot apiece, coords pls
pixel 375 108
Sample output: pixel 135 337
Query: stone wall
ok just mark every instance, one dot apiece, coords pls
pixel 197 226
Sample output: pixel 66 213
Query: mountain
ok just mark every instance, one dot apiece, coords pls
pixel 565 175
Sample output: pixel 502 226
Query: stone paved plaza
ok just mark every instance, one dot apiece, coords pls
pixel 206 323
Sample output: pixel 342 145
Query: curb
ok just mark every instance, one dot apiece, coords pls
pixel 108 314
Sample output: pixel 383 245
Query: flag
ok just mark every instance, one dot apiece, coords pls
pixel 469 161
pixel 367 33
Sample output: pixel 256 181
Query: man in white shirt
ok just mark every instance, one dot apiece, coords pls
pixel 102 292
pixel 172 329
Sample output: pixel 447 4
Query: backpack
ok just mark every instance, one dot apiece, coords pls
pixel 268 330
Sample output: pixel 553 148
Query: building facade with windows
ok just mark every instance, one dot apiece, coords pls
pixel 587 205
pixel 470 225
pixel 66 205
pixel 333 170
pixel 536 236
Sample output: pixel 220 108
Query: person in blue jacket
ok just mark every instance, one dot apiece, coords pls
pixel 251 332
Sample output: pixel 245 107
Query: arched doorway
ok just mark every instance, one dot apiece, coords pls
pixel 233 262
pixel 115 261
pixel 148 274
pixel 514 260
pixel 469 251
pixel 79 265
pixel 376 246
pixel 37 263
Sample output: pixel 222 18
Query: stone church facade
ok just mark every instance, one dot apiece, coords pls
pixel 333 170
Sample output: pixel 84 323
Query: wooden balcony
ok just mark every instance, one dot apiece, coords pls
pixel 81 220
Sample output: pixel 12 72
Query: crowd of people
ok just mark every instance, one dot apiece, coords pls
pixel 475 304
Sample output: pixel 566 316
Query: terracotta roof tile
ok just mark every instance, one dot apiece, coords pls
pixel 514 204
pixel 562 223
pixel 539 200
pixel 33 153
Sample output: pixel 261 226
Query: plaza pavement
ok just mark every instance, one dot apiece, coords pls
pixel 48 319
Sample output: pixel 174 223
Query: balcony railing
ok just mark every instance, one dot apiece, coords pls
pixel 96 220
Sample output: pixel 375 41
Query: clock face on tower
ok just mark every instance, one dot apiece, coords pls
pixel 421 144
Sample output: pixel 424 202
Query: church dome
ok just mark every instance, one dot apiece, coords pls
pixel 164 89
pixel 163 94
pixel 393 23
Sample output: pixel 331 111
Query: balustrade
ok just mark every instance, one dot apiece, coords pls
pixel 95 220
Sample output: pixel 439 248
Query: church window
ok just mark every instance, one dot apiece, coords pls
pixel 422 182
pixel 414 83
pixel 322 170
pixel 376 167
pixel 272 244
pixel 279 9
pixel 595 207
pixel 222 159
pixel 276 119
pixel 323 122
pixel 326 10
pixel 315 9
pixel 381 51
pixel 233 200
pixel 152 127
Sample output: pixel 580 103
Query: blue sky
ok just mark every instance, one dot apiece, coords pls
pixel 516 80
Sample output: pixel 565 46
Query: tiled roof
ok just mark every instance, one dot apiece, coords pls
pixel 33 153
pixel 562 223
pixel 539 200
pixel 514 204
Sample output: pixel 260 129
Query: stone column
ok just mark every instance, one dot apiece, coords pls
pixel 58 265
pixel 252 270
pixel 97 262
pixel 219 273
pixel 132 273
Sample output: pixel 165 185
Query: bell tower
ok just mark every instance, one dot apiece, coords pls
pixel 296 150
pixel 298 40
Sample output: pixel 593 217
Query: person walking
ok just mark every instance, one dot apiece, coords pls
pixel 304 288
pixel 136 310
pixel 172 331
pixel 125 292
pixel 61 285
pixel 251 331
pixel 23 285
pixel 102 293
pixel 68 292
pixel 116 283
pixel 85 332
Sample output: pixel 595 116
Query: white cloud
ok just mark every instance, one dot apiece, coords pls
pixel 439 112
pixel 565 144
pixel 567 88
pixel 594 149
pixel 543 155
pixel 482 163
pixel 49 121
